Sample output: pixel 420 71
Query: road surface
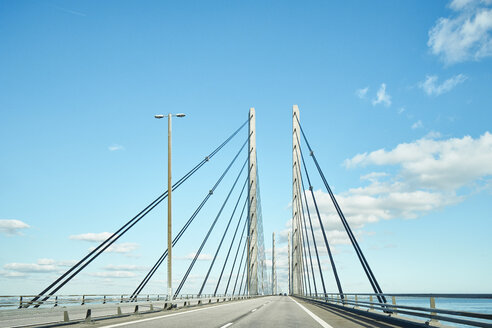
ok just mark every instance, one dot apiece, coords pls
pixel 271 311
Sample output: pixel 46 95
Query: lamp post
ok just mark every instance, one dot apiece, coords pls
pixel 169 208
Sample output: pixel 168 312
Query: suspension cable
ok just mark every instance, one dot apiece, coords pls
pixel 312 231
pixel 242 279
pixel 365 265
pixel 335 273
pixel 223 237
pixel 239 268
pixel 307 282
pixel 230 247
pixel 300 265
pixel 307 241
pixel 302 235
pixel 235 257
pixel 183 229
pixel 129 224
pixel 299 185
pixel 208 233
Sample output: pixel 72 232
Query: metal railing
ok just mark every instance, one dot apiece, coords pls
pixel 20 311
pixel 463 309
pixel 22 301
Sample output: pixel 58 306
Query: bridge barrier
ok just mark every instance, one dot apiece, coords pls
pixel 9 302
pixel 414 308
pixel 86 308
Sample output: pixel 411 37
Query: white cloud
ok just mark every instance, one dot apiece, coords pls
pixel 68 263
pixel 361 93
pixel 120 248
pixel 201 257
pixel 374 176
pixel 43 265
pixel 113 274
pixel 12 227
pixel 91 236
pixel 70 11
pixel 432 88
pixel 12 274
pixel 116 147
pixel 417 125
pixel 466 35
pixel 382 97
pixel 282 236
pixel 433 135
pixel 30 267
pixel 46 261
pixel 436 164
pixel 123 267
pixel 460 4
pixel 430 175
pixel 401 110
pixel 370 204
pixel 380 201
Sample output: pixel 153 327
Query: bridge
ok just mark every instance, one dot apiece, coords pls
pixel 244 293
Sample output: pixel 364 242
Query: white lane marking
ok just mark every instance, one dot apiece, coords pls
pixel 314 316
pixel 227 325
pixel 254 310
pixel 164 316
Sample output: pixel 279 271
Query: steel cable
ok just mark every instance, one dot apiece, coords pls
pixel 335 273
pixel 365 265
pixel 303 191
pixel 230 247
pixel 129 224
pixel 241 285
pixel 183 229
pixel 306 237
pixel 223 237
pixel 239 268
pixel 208 233
pixel 235 257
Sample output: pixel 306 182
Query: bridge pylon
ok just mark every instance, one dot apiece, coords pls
pixel 297 258
pixel 252 208
pixel 274 267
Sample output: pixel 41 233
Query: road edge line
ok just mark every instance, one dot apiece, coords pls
pixel 163 316
pixel 314 316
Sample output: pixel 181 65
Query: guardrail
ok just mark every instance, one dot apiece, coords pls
pixel 450 308
pixel 22 301
pixel 70 309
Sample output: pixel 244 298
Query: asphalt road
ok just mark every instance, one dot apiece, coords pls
pixel 272 311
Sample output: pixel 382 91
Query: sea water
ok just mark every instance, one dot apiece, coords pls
pixel 476 305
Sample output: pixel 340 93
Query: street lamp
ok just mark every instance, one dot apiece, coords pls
pixel 169 212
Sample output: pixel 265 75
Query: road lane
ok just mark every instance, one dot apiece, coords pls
pixel 281 311
pixel 272 311
pixel 269 311
pixel 206 316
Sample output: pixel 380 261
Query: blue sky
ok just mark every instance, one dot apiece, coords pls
pixel 394 97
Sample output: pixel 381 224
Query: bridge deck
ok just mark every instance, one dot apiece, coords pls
pixel 272 311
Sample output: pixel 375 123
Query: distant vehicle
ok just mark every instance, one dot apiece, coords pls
pixel 285 294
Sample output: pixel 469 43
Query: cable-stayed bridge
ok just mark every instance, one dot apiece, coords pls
pixel 245 293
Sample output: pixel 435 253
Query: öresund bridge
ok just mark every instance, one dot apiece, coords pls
pixel 245 294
